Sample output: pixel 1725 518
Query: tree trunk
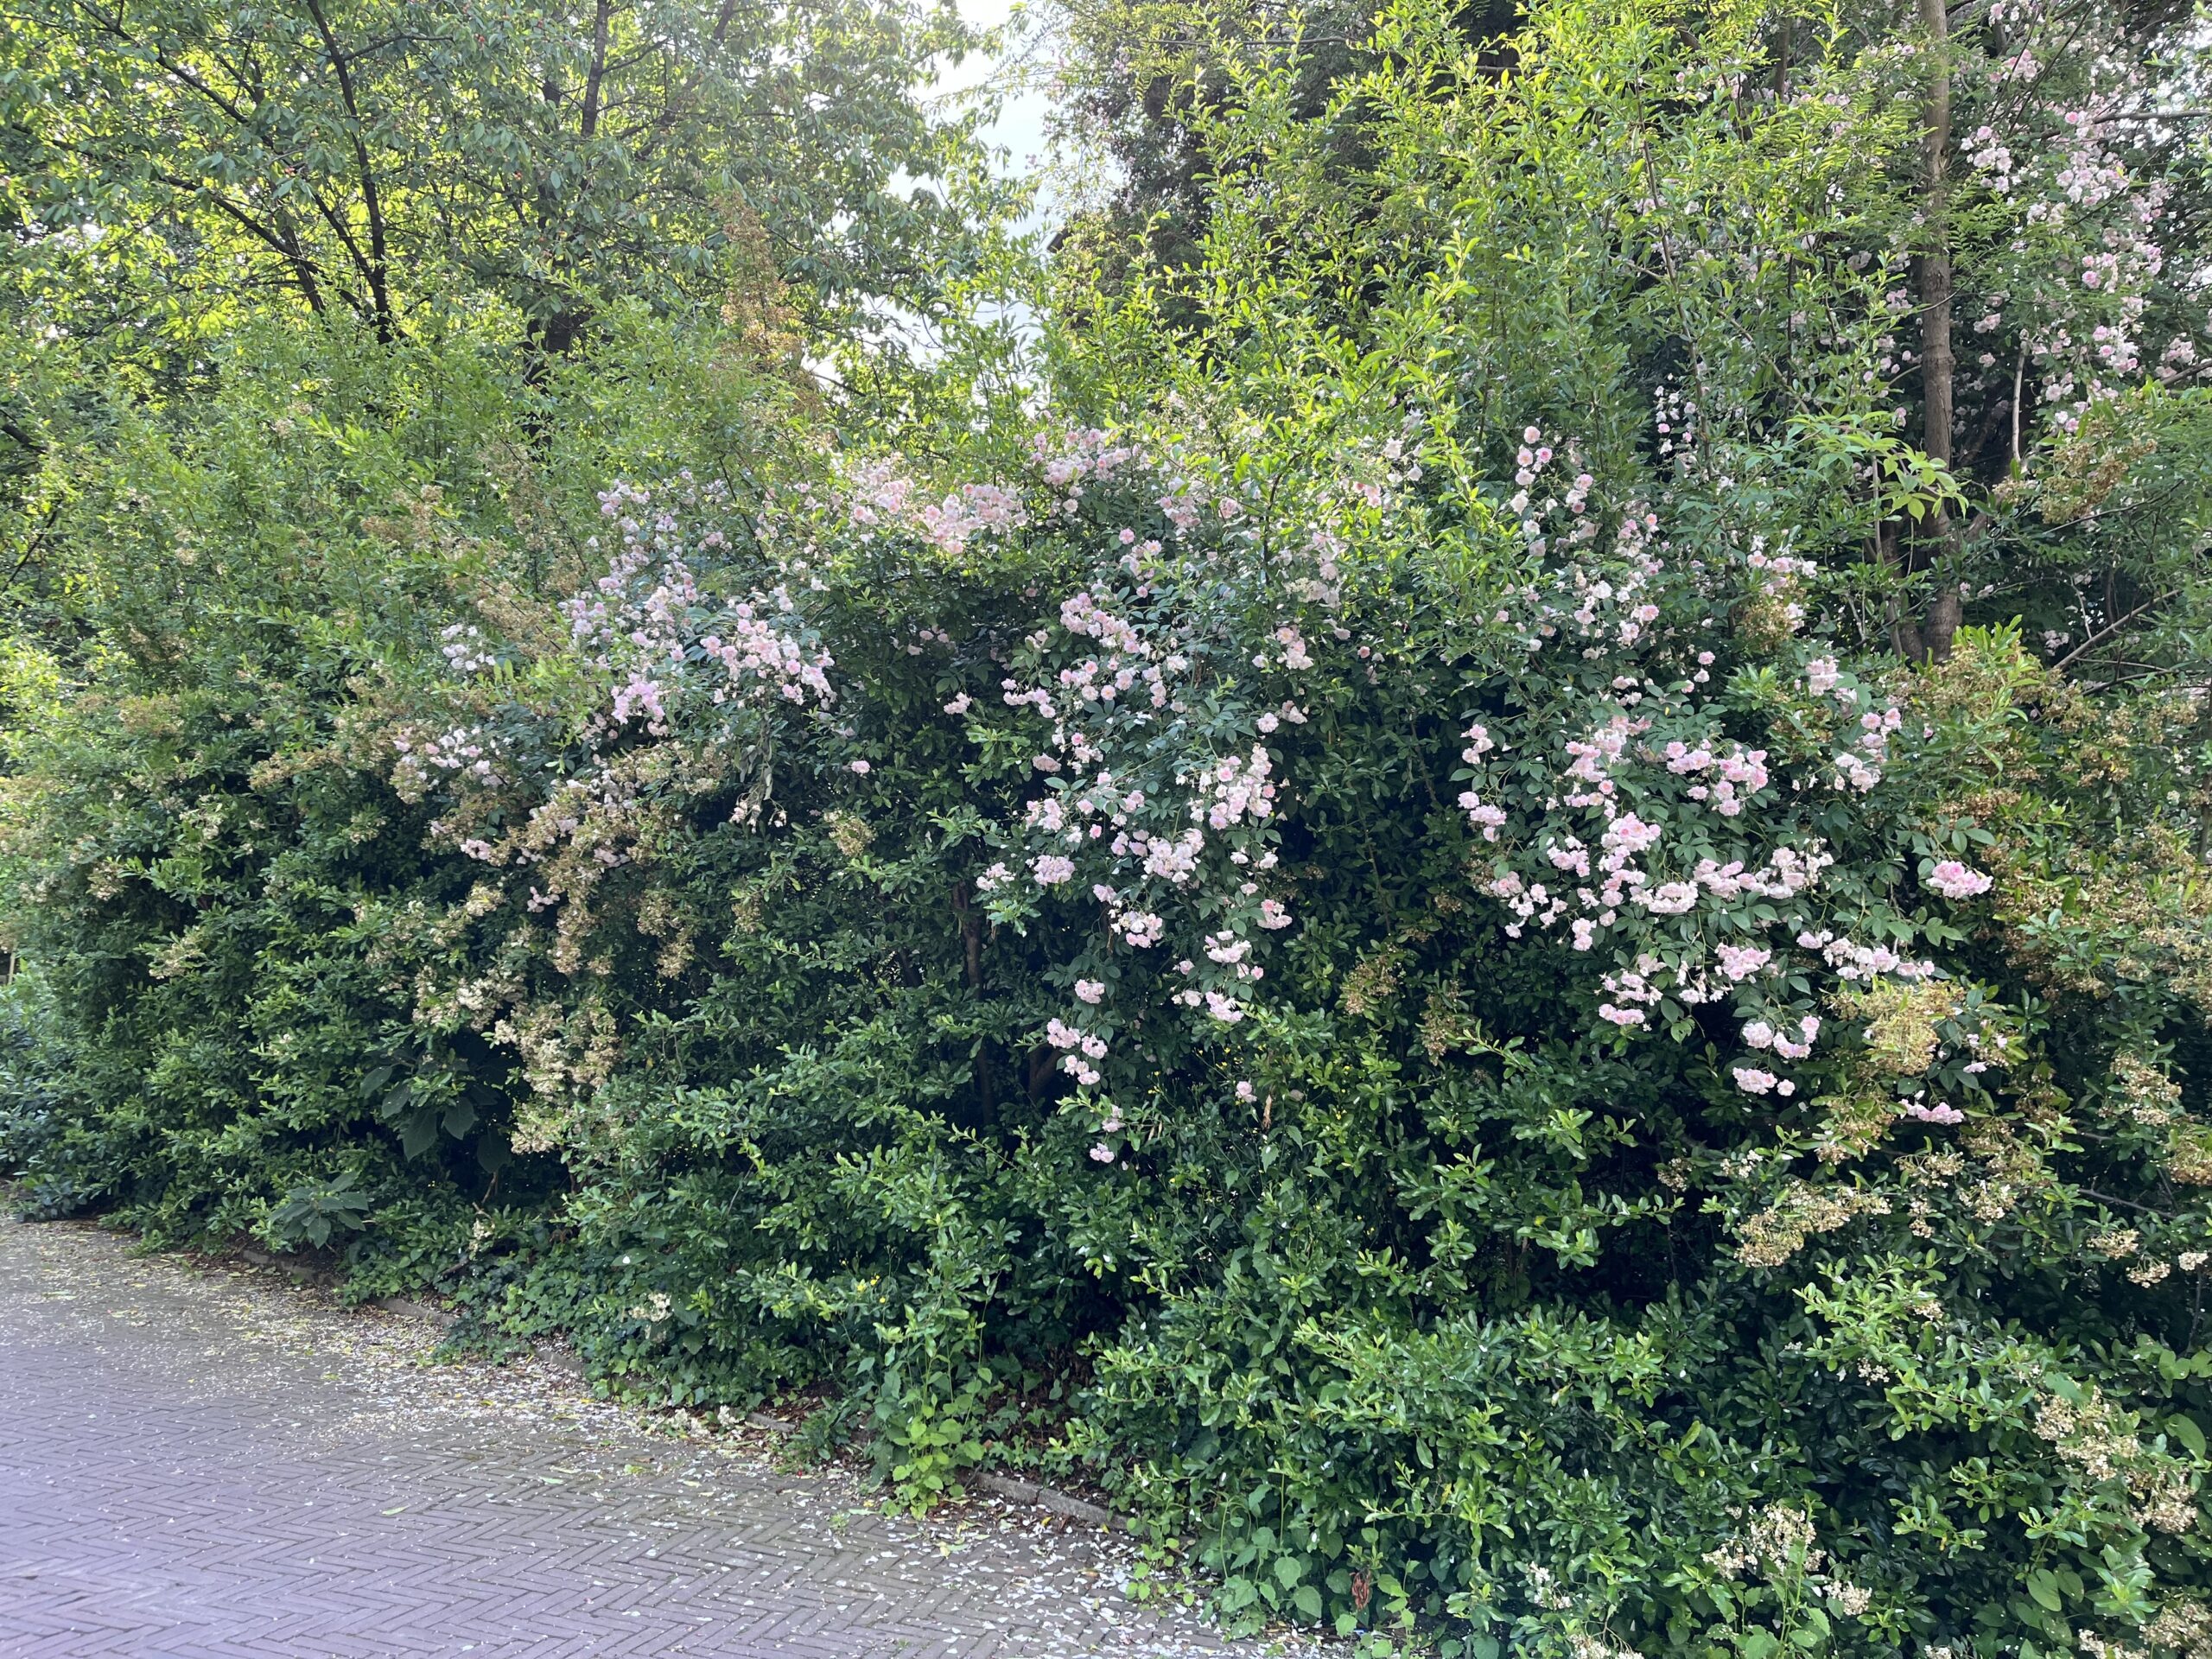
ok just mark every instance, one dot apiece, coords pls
pixel 971 941
pixel 559 333
pixel 1938 366
pixel 376 262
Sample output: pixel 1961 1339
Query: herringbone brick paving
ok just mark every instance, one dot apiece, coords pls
pixel 199 1462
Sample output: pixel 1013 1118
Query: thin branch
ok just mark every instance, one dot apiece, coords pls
pixel 37 536
pixel 372 203
pixel 2115 625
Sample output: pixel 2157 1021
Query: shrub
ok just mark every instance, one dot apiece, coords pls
pixel 1376 953
pixel 1518 1083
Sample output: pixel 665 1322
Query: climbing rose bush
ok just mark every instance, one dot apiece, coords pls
pixel 1495 1090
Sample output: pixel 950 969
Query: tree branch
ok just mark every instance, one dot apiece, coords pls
pixel 372 203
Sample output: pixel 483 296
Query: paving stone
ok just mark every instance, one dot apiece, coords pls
pixel 199 1460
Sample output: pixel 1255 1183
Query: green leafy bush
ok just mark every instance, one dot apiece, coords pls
pixel 1374 951
pixel 1516 1116
pixel 33 1072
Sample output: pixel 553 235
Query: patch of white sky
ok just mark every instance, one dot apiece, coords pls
pixel 1017 76
pixel 1014 81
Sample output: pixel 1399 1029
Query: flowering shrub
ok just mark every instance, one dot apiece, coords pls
pixel 1372 952
pixel 1480 1040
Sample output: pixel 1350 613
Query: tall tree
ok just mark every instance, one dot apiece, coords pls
pixel 2036 250
pixel 397 160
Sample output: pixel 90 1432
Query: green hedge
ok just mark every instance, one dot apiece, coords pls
pixel 1520 1071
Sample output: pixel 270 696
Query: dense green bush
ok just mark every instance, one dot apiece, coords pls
pixel 1339 928
pixel 1451 1254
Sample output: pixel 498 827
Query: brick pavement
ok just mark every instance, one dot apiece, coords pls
pixel 208 1461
